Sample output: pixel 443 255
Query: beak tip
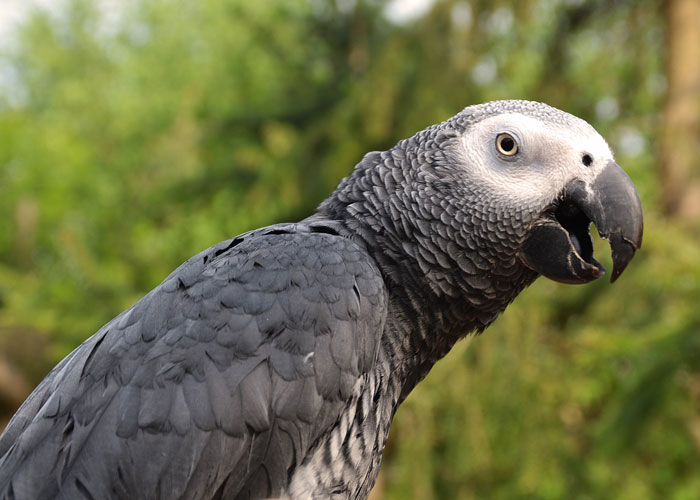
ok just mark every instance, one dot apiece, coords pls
pixel 623 251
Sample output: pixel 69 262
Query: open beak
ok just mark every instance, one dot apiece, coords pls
pixel 560 247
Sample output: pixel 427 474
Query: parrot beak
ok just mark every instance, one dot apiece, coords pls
pixel 560 246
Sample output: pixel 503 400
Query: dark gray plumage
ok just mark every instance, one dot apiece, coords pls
pixel 272 364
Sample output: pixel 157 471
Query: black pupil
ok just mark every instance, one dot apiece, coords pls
pixel 507 144
pixel 587 160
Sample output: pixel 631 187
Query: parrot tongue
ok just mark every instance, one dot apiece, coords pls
pixel 577 224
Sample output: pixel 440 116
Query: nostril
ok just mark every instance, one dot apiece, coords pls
pixel 587 159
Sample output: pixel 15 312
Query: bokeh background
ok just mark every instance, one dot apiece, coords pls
pixel 135 133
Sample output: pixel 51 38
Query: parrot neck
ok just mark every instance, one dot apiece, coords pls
pixel 443 283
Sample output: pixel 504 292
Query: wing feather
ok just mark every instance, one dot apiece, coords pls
pixel 218 382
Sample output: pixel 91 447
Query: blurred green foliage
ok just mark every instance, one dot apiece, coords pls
pixel 132 139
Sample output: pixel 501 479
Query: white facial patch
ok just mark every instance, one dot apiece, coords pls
pixel 549 156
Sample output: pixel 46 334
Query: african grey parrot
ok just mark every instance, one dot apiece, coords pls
pixel 272 363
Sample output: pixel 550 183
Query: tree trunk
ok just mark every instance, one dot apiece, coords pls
pixel 680 137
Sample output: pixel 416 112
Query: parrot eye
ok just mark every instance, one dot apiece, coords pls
pixel 506 144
